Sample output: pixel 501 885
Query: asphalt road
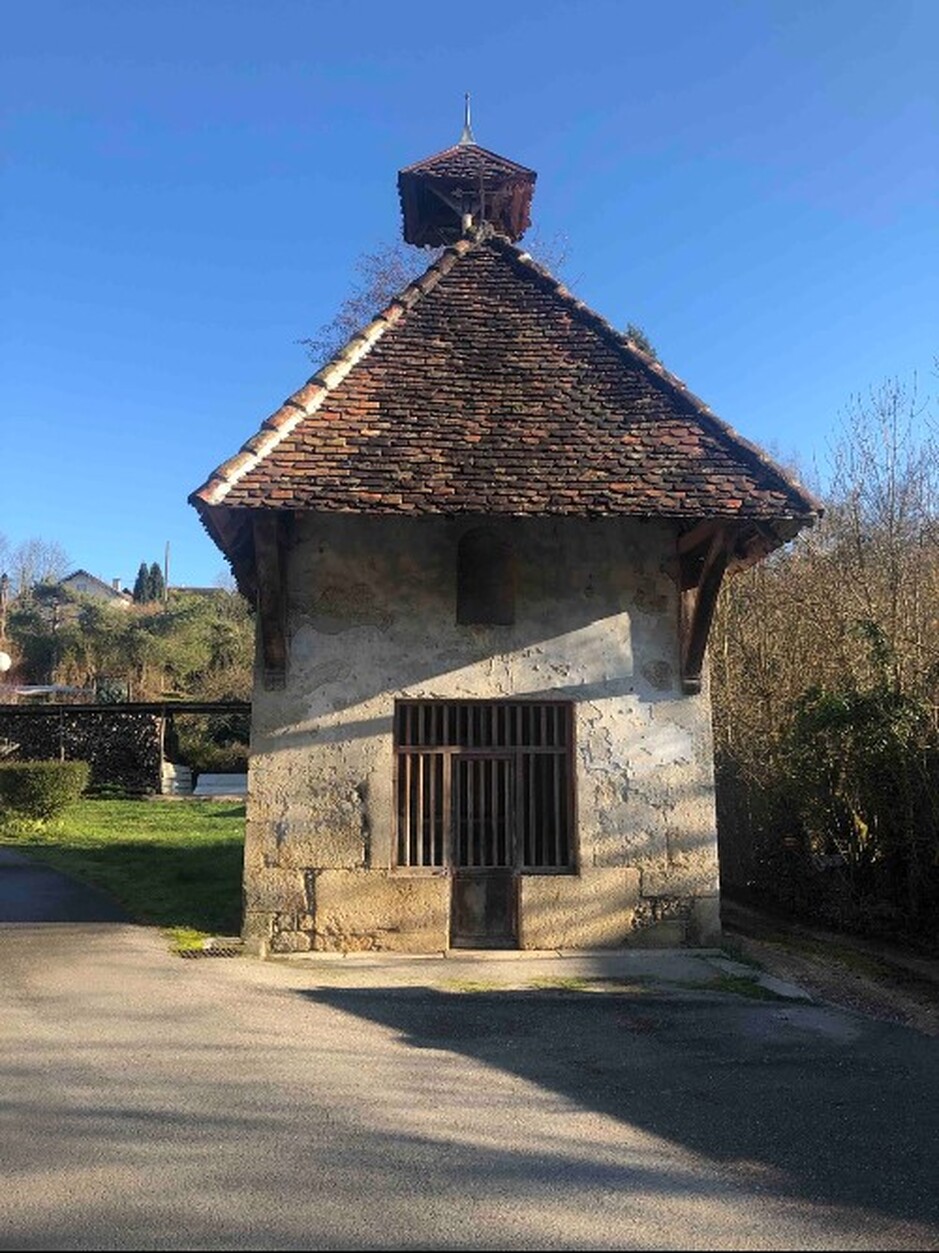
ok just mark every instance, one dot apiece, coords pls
pixel 32 892
pixel 224 1103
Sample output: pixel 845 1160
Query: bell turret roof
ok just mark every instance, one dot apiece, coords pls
pixel 464 188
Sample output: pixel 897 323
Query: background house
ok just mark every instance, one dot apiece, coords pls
pixel 81 583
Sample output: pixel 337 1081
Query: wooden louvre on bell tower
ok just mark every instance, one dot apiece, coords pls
pixel 453 193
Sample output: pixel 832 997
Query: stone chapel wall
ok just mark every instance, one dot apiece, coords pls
pixel 372 617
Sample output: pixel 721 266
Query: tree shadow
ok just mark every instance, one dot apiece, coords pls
pixel 127 881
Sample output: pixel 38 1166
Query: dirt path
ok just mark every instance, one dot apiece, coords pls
pixel 871 979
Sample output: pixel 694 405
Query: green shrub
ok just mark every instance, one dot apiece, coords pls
pixel 218 758
pixel 40 789
pixel 213 743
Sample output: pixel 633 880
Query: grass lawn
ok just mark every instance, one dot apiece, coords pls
pixel 172 864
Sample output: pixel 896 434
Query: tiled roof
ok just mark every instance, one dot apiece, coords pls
pixel 465 163
pixel 486 388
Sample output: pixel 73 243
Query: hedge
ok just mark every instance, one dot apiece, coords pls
pixel 40 789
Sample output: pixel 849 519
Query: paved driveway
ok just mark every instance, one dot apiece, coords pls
pixel 154 1103
pixel 32 892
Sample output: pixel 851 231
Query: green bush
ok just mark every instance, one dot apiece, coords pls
pixel 213 743
pixel 217 758
pixel 40 789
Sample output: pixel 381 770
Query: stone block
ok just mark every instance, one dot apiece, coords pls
pixel 323 824
pixel 691 877
pixel 704 923
pixel 329 845
pixel 274 890
pixel 290 942
pixel 366 910
pixel 256 932
pixel 591 910
pixel 662 933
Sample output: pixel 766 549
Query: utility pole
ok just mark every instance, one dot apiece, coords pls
pixel 166 574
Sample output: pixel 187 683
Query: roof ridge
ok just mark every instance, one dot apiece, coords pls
pixel 310 397
pixel 655 367
pixel 88 575
pixel 119 591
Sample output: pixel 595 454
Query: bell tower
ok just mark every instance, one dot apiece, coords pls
pixel 462 191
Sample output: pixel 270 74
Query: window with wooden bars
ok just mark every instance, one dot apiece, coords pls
pixel 485 784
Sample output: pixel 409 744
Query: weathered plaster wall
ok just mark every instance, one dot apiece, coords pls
pixel 371 617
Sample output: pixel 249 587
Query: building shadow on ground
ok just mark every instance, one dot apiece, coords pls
pixel 819 1105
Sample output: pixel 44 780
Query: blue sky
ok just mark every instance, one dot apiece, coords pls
pixel 187 185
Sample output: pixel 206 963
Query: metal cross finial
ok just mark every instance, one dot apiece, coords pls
pixel 467 136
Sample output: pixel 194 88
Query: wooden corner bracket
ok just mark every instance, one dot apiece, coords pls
pixel 272 607
pixel 703 554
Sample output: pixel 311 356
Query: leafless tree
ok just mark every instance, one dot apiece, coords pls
pixel 384 272
pixel 379 276
pixel 841 627
pixel 35 561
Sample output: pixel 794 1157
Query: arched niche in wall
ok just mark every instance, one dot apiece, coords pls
pixel 485 579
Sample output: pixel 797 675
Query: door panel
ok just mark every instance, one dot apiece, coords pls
pixel 484 896
pixel 483 909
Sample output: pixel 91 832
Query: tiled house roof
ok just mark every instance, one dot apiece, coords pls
pixel 104 590
pixel 486 388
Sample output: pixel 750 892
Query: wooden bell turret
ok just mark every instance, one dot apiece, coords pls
pixel 458 191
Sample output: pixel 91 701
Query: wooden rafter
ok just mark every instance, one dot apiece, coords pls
pixel 697 537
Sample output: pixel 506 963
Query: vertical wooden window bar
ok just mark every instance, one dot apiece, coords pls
pixel 485 784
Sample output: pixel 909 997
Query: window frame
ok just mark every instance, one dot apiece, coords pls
pixel 440 712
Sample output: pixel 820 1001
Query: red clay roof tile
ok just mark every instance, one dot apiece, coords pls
pixel 486 388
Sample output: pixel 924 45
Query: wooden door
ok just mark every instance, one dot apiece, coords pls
pixel 484 907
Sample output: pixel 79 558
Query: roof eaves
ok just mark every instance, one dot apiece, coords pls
pixel 813 506
pixel 314 392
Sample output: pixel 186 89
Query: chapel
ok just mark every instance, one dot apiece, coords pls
pixel 485 542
